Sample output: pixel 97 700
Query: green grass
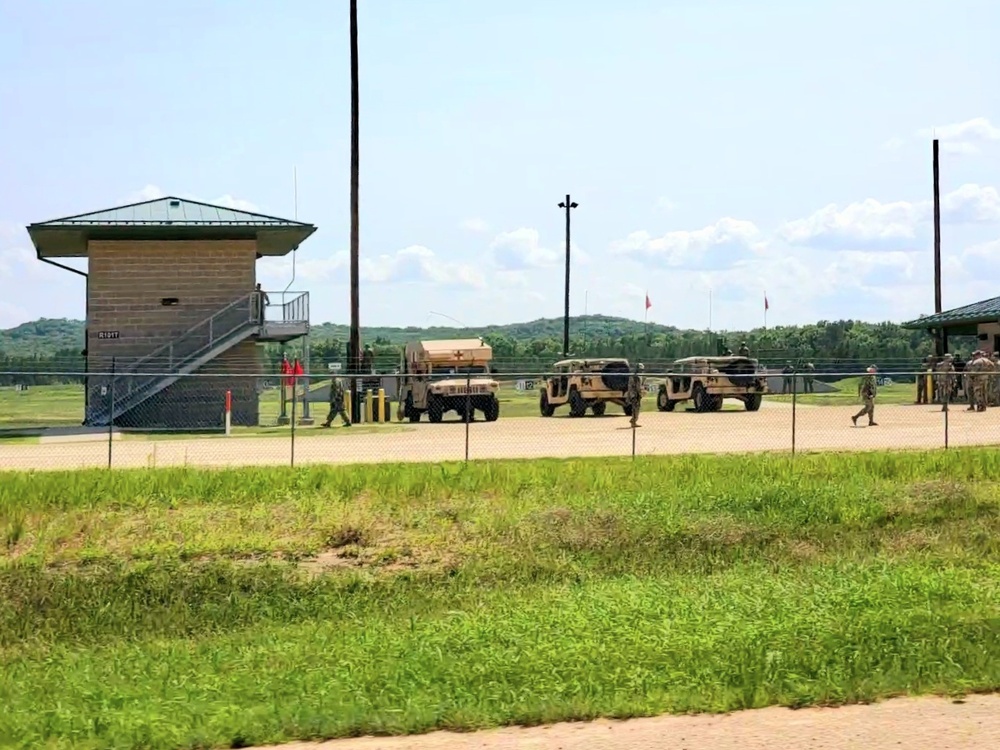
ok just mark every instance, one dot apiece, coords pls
pixel 184 608
pixel 847 394
pixel 41 406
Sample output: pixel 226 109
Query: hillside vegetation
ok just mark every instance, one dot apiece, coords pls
pixel 55 345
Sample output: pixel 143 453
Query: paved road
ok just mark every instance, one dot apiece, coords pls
pixel 770 429
pixel 907 723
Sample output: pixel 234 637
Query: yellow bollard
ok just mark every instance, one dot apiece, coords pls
pixel 347 402
pixel 930 388
pixel 382 414
pixel 368 405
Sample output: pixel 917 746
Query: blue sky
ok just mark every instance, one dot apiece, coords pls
pixel 783 148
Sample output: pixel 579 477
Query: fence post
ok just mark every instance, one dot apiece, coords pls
pixel 111 413
pixel 295 385
pixel 795 399
pixel 468 410
pixel 229 413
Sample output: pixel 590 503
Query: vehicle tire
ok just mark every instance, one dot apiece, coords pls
pixel 752 402
pixel 577 406
pixel 492 410
pixel 615 376
pixel 701 400
pixel 627 408
pixel 663 402
pixel 546 409
pixel 435 409
pixel 716 403
pixel 598 408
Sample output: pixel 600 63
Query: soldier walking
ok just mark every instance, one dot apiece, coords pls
pixel 633 394
pixel 337 404
pixel 809 378
pixel 867 389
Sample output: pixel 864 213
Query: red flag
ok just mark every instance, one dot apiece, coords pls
pixel 648 303
pixel 297 369
pixel 766 306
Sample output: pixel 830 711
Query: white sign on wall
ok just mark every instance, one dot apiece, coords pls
pixel 525 385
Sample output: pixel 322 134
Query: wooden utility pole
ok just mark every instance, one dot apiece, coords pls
pixel 354 346
pixel 941 340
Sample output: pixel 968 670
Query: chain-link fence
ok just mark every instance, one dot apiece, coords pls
pixel 76 420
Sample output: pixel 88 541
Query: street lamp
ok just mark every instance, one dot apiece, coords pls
pixel 568 205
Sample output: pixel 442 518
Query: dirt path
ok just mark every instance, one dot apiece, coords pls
pixel 770 429
pixel 901 724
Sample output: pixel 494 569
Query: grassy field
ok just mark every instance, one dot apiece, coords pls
pixel 177 608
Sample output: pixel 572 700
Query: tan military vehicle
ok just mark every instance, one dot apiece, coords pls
pixel 447 375
pixel 706 381
pixel 585 384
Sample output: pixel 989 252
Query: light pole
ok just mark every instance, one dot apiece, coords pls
pixel 568 205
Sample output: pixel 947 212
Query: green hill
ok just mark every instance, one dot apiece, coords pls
pixel 54 345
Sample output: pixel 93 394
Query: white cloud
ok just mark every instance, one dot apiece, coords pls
pixel 414 264
pixel 871 224
pixel 153 192
pixel 971 204
pixel 893 143
pixel 727 237
pixel 665 204
pixel 522 249
pixel 868 222
pixel 963 137
pixel 475 225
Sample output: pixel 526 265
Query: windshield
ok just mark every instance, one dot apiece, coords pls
pixel 440 370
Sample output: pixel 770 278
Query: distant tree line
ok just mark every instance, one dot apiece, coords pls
pixel 41 348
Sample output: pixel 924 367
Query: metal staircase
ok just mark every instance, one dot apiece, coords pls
pixel 236 322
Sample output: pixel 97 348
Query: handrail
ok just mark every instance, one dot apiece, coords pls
pixel 169 346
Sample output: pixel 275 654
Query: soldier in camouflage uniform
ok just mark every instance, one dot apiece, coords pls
pixel 945 381
pixel 809 378
pixel 633 394
pixel 980 370
pixel 337 404
pixel 994 388
pixel 787 378
pixel 971 378
pixel 925 367
pixel 744 350
pixel 867 389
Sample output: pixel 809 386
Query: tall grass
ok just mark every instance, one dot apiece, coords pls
pixel 179 608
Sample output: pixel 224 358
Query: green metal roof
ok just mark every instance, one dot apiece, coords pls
pixel 986 311
pixel 167 218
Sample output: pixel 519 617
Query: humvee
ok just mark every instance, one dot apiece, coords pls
pixel 447 375
pixel 708 380
pixel 585 384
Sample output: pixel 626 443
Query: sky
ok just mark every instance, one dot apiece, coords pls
pixel 718 150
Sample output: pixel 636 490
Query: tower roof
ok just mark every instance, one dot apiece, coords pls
pixel 167 218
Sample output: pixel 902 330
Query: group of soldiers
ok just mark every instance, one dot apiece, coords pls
pixel 808 378
pixel 980 381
